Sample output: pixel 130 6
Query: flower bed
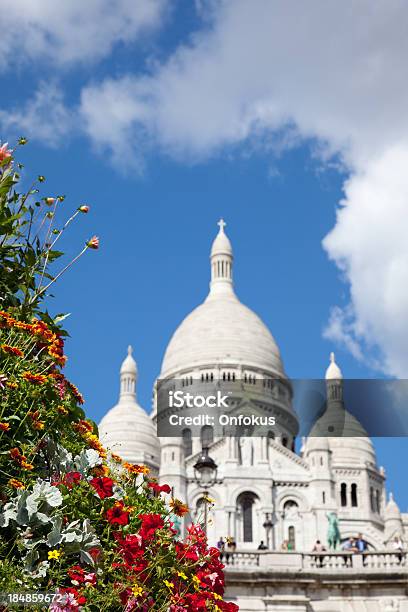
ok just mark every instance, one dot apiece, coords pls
pixel 75 519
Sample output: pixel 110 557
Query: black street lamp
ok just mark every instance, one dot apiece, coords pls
pixel 205 475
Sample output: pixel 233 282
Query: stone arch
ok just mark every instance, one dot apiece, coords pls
pixel 294 495
pixel 247 503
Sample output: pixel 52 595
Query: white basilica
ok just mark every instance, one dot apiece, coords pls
pixel 264 489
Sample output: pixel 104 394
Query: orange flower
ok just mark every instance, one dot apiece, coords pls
pixel 12 385
pixel 12 350
pixel 4 426
pixel 136 469
pixel 116 458
pixel 95 443
pixel 26 465
pixel 178 507
pixel 83 427
pixel 75 392
pixel 101 470
pixel 8 320
pixel 16 484
pixel 38 425
pixel 36 379
pixel 15 453
pixel 62 410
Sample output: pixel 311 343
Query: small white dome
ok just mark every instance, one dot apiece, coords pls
pixel 129 364
pixel 348 441
pixel 333 372
pixel 392 510
pixel 127 429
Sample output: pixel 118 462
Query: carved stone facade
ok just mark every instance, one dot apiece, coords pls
pixel 264 489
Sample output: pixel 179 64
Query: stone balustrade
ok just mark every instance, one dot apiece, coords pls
pixel 314 562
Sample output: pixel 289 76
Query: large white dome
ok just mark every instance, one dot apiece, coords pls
pixel 222 329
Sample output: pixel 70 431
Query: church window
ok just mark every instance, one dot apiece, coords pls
pixel 187 442
pixel 291 538
pixel 377 501
pixel 343 494
pixel 207 435
pixel 372 501
pixel 321 460
pixel 173 455
pixel 246 503
pixel 354 502
pixel 290 506
pixel 323 497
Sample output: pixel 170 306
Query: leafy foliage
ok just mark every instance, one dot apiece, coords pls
pixel 75 519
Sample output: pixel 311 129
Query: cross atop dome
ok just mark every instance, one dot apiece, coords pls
pixel 221 223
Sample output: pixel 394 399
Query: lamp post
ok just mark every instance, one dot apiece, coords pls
pixel 205 475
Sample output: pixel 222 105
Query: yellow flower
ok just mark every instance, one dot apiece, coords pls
pixel 208 499
pixel 182 575
pixel 137 590
pixel 169 585
pixel 216 596
pixel 54 554
pixel 197 582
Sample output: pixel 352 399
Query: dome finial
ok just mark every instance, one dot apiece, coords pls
pixel 333 372
pixel 128 376
pixel 221 224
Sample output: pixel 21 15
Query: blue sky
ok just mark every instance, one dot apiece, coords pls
pixel 164 127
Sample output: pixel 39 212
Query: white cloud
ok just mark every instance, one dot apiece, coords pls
pixel 44 117
pixel 331 71
pixel 71 30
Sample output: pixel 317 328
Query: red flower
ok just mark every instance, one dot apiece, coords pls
pixel 71 479
pixel 79 576
pixel 103 486
pixel 159 488
pixel 150 524
pixel 116 515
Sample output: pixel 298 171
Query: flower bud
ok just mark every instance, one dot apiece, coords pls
pixel 49 201
pixel 83 208
pixel 93 243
